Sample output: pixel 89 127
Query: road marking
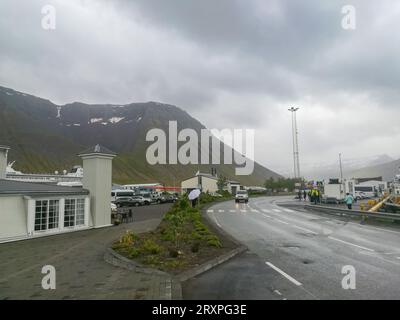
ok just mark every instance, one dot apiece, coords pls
pixel 244 211
pixel 288 210
pixel 267 216
pixel 210 210
pixel 304 229
pixel 254 210
pixel 232 210
pixel 221 210
pixel 291 279
pixel 281 221
pixel 266 210
pixel 276 210
pixel 216 221
pixel 351 244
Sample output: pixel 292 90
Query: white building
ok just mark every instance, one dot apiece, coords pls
pixel 203 181
pixel 233 186
pixel 30 210
pixel 207 183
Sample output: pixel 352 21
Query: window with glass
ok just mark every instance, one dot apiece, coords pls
pixel 46 214
pixel 74 213
pixel 69 212
pixel 80 212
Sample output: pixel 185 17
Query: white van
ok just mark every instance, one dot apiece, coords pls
pixel 115 194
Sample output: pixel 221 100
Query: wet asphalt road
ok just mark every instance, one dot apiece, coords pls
pixel 299 255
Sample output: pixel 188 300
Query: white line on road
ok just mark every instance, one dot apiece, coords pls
pixel 210 210
pixel 288 210
pixel 265 210
pixel 291 279
pixel 232 210
pixel 254 210
pixel 276 210
pixel 351 244
pixel 281 221
pixel 304 229
pixel 244 211
pixel 267 216
pixel 221 210
pixel 216 221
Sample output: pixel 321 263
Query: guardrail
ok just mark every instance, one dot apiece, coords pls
pixel 354 213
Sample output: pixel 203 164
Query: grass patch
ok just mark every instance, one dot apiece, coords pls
pixel 181 241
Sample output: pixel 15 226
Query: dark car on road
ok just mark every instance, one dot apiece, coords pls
pixel 124 202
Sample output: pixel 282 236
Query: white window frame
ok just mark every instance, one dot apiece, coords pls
pixel 85 213
pixel 31 215
pixel 47 229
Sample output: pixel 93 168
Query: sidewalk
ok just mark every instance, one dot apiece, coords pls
pixel 81 272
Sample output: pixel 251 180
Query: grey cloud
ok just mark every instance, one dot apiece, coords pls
pixel 241 61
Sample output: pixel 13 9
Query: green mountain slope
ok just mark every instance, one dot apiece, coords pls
pixel 45 137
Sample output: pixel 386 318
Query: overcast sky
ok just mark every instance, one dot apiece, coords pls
pixel 229 63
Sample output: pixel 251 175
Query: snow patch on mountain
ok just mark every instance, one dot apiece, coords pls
pixel 116 119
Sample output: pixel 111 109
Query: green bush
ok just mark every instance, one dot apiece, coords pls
pixel 214 242
pixel 150 247
pixel 133 253
pixel 128 239
pixel 151 260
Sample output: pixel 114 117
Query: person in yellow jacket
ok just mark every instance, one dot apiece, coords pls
pixel 315 195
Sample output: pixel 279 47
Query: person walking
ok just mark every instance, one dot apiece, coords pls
pixel 305 195
pixel 349 201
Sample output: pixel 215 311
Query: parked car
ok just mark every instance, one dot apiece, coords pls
pixel 242 196
pixel 140 201
pixel 123 202
pixel 113 207
pixel 168 198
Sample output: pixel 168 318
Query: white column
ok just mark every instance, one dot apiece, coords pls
pixel 61 213
pixel 87 211
pixel 30 218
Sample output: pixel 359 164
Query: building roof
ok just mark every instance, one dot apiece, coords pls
pixel 28 188
pixel 207 175
pixel 97 149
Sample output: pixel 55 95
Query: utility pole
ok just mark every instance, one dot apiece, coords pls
pixel 296 161
pixel 341 173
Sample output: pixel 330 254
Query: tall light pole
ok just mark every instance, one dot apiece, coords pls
pixel 295 132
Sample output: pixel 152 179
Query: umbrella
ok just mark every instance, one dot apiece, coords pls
pixel 194 194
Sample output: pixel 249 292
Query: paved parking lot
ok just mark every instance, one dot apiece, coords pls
pixel 81 272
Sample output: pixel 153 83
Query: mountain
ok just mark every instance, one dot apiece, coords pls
pixel 45 137
pixel 321 171
pixel 386 170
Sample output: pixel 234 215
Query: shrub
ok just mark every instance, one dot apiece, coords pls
pixel 213 241
pixel 151 260
pixel 128 239
pixel 133 253
pixel 149 246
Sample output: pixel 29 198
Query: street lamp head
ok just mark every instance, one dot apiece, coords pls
pixel 293 109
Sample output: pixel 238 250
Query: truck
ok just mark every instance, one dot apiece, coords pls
pixel 334 192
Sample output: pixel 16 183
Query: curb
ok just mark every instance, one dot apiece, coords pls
pixel 115 259
pixel 210 264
